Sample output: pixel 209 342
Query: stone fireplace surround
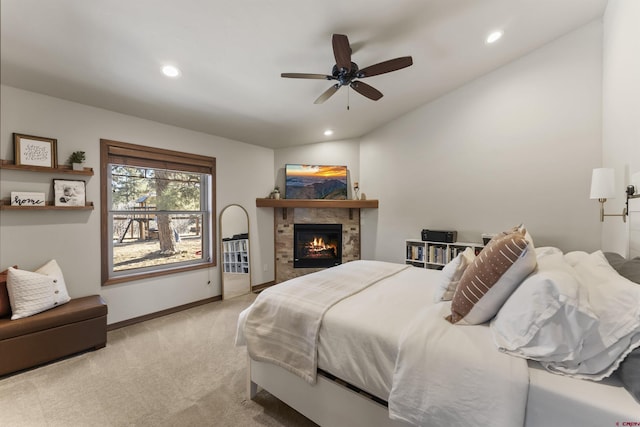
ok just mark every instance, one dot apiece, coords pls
pixel 287 212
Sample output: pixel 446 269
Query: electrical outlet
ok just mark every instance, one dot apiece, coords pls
pixel 265 267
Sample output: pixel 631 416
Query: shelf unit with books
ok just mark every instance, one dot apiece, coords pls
pixel 236 256
pixel 435 255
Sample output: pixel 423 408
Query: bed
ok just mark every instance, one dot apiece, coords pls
pixel 386 355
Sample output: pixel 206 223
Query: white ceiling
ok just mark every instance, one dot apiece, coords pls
pixel 108 53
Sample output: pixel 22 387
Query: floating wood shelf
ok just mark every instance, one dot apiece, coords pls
pixel 66 169
pixel 316 203
pixel 5 205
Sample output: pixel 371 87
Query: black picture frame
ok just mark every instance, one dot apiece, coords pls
pixel 69 193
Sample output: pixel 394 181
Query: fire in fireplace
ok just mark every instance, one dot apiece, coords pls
pixel 317 245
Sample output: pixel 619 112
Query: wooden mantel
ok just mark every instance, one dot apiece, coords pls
pixel 315 203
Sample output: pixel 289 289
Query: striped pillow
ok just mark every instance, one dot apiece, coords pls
pixel 496 272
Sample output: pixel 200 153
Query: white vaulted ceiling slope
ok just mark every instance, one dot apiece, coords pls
pixel 108 53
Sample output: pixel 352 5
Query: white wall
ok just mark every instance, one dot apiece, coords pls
pixel 31 238
pixel 516 145
pixel 621 110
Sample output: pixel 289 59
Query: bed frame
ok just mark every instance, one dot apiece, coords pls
pixel 327 403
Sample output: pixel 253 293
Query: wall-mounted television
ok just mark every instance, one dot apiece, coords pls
pixel 315 182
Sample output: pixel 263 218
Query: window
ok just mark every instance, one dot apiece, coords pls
pixel 156 211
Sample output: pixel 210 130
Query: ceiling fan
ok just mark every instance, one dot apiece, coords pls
pixel 348 73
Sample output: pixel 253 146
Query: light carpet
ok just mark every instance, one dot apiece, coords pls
pixel 178 370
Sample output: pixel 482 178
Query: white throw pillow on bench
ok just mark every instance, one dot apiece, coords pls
pixel 34 292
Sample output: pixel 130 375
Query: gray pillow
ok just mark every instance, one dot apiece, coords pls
pixel 631 270
pixel 626 268
pixel 629 372
pixel 615 259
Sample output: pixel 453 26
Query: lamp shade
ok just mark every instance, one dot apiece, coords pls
pixel 603 183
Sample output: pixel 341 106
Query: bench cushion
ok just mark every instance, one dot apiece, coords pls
pixel 76 310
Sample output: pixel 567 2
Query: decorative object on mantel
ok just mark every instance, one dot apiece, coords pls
pixel 77 159
pixel 35 150
pixel 356 188
pixel 22 198
pixel 275 194
pixel 69 192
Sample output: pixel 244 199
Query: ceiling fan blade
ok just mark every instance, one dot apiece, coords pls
pixel 366 90
pixel 327 94
pixel 386 66
pixel 306 76
pixel 341 51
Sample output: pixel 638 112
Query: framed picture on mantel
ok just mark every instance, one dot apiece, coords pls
pixel 35 150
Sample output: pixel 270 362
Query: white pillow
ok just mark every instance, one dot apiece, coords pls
pixel 575 257
pixel 547 316
pixel 451 274
pixel 34 292
pixel 616 302
pixel 547 250
pixel 52 269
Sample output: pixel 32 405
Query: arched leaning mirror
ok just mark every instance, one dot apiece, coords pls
pixel 234 250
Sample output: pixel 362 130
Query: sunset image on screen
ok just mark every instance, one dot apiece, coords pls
pixel 315 182
pixel 338 172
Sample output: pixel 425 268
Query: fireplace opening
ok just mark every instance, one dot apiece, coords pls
pixel 317 245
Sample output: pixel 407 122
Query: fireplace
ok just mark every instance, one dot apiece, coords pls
pixel 317 245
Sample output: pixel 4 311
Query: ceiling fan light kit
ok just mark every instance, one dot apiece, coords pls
pixel 347 73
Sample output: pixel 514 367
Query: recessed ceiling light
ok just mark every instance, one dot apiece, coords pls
pixel 328 132
pixel 494 37
pixel 170 71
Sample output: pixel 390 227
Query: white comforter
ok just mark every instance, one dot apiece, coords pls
pixel 450 375
pixel 444 374
pixel 282 325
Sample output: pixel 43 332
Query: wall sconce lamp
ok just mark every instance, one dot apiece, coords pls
pixel 603 188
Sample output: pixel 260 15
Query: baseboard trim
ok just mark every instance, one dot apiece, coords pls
pixel 262 286
pixel 161 313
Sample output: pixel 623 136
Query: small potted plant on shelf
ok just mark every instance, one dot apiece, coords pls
pixel 77 159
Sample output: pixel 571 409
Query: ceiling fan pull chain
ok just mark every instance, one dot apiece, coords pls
pixel 348 92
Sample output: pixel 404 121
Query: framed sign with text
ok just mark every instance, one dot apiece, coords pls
pixel 35 150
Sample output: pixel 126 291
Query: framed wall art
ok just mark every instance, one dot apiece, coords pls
pixel 69 192
pixel 35 150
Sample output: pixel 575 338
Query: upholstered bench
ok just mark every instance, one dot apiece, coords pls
pixel 79 325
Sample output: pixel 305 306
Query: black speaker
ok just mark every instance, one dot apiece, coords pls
pixel 439 236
